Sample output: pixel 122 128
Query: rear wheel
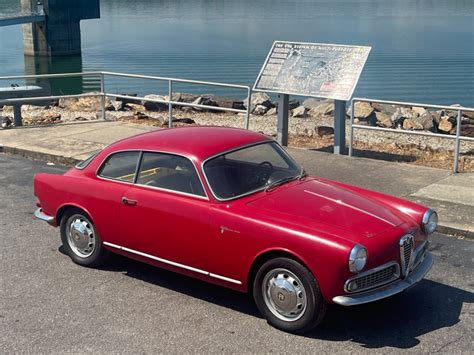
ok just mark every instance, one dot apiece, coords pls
pixel 80 239
pixel 288 296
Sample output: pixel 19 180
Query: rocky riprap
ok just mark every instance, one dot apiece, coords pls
pixel 311 120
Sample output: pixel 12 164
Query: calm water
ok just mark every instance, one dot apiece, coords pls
pixel 423 50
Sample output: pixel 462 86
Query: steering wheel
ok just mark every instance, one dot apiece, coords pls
pixel 264 171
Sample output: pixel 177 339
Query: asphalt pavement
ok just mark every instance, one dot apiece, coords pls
pixel 48 304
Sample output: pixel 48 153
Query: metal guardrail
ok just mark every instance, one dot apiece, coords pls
pixel 457 138
pixel 103 94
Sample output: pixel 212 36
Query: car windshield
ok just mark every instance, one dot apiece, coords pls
pixel 250 169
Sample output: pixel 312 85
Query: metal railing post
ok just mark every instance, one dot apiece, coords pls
pixel 247 114
pixel 457 142
pixel 351 128
pixel 102 98
pixel 170 105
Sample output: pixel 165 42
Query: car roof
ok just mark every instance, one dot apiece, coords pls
pixel 195 142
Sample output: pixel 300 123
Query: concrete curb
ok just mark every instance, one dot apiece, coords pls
pixel 70 162
pixel 56 159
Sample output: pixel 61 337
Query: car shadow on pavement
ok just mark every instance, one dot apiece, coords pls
pixel 394 322
pixel 397 321
pixel 205 291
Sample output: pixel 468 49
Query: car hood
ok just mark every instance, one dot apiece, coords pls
pixel 331 205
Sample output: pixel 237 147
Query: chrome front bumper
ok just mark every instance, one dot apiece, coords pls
pixel 386 291
pixel 43 216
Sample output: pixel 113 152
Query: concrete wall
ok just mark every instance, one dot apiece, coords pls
pixel 61 32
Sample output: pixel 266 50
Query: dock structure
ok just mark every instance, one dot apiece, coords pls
pixel 52 27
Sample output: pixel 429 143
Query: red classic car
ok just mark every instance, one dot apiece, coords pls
pixel 231 207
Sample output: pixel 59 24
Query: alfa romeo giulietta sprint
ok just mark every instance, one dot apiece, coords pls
pixel 231 207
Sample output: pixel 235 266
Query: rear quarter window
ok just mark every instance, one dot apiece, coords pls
pixel 83 164
pixel 120 166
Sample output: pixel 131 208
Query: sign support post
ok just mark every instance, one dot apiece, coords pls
pixel 319 70
pixel 282 126
pixel 339 127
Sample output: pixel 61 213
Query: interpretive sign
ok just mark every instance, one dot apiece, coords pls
pixel 312 69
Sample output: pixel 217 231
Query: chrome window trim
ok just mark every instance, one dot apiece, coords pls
pixel 97 174
pixel 234 150
pixel 371 271
pixel 175 264
pixel 141 151
pixel 90 158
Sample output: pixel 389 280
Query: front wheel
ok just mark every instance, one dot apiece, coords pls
pixel 80 239
pixel 288 296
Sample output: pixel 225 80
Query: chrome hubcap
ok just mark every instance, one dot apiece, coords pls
pixel 81 236
pixel 284 294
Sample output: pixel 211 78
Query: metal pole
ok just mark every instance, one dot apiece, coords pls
pixel 282 125
pixel 247 114
pixel 170 105
pixel 351 128
pixel 17 115
pixel 339 127
pixel 102 99
pixel 457 143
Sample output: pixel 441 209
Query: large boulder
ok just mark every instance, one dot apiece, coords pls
pixel 155 106
pixel 5 122
pixel 363 110
pixel 445 125
pixel 299 112
pixel 425 120
pixel 419 111
pixel 260 110
pixel 311 103
pixel 87 104
pixel 292 104
pixel 411 124
pixel 272 111
pixel 324 109
pixel 383 119
pixel 384 108
pixel 322 131
pixel 258 98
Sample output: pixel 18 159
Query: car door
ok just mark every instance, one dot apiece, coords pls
pixel 166 212
pixel 102 195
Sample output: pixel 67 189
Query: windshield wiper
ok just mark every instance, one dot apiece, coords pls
pixel 280 182
pixel 302 174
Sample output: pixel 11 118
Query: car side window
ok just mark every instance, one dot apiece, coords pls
pixel 171 172
pixel 120 166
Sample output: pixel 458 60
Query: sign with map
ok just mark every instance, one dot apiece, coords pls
pixel 312 69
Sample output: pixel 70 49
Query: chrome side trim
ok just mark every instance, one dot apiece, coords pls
pixel 414 277
pixel 43 216
pixel 172 263
pixel 224 278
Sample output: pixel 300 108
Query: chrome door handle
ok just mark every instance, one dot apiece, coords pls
pixel 129 202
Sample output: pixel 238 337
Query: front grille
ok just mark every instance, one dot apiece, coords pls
pixel 373 278
pixel 406 252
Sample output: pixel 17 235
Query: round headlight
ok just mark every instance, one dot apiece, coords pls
pixel 357 258
pixel 430 221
